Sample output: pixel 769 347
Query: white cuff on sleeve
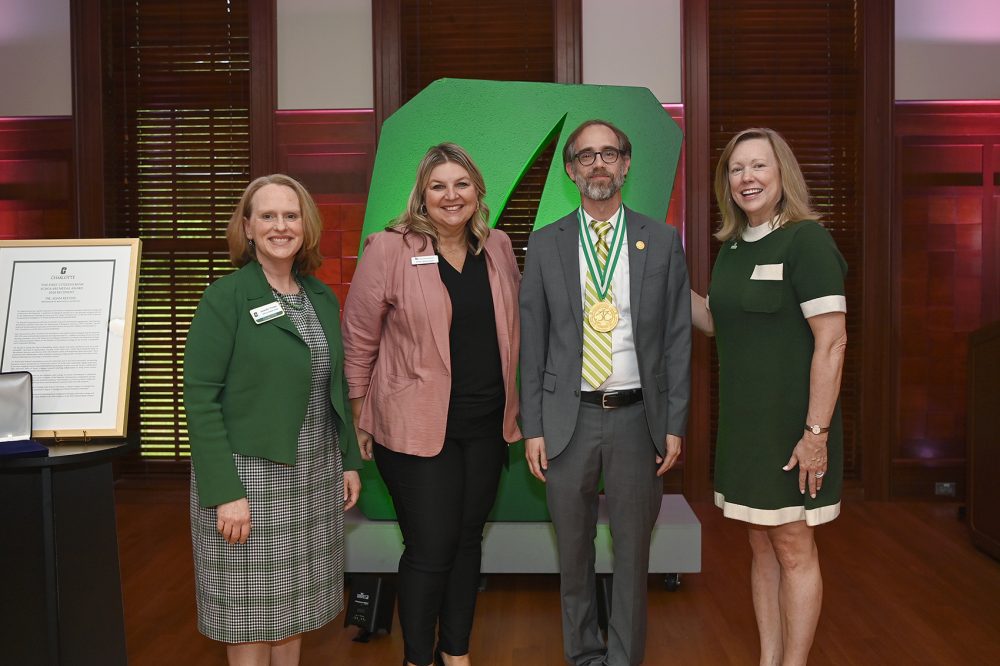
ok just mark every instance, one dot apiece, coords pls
pixel 822 305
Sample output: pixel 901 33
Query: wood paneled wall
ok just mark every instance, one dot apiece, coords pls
pixel 946 250
pixel 944 260
pixel 810 91
pixel 331 153
pixel 36 178
pixel 416 42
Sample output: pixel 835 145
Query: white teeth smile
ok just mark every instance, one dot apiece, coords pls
pixel 751 192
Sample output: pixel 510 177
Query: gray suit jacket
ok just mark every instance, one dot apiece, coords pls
pixel 552 329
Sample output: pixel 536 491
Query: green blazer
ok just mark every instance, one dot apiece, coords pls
pixel 246 385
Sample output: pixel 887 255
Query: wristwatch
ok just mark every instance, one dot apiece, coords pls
pixel 816 429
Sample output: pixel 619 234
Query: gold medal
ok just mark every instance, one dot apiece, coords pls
pixel 603 316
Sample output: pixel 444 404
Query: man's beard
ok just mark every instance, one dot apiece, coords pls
pixel 601 191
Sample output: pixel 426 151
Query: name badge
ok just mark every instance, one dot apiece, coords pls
pixel 768 272
pixel 267 312
pixel 427 259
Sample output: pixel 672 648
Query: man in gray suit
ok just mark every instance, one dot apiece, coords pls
pixel 605 382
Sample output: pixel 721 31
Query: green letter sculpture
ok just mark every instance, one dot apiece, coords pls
pixel 505 126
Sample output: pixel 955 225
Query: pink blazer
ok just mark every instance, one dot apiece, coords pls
pixel 397 318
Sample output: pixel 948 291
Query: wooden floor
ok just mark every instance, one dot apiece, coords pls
pixel 903 585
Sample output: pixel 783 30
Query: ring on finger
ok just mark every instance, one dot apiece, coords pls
pixel 819 474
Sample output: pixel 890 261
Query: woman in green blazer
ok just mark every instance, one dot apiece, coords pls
pixel 273 447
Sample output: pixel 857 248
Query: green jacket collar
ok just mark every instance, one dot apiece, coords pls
pixel 259 292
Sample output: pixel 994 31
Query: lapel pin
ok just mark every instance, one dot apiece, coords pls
pixel 639 245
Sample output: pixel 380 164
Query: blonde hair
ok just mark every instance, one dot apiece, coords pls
pixel 308 258
pixel 415 219
pixel 793 205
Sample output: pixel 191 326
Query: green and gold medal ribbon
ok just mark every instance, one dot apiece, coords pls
pixel 601 275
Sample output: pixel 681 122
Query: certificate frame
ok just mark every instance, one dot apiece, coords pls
pixel 68 308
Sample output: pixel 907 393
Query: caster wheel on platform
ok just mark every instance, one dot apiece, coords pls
pixel 672 581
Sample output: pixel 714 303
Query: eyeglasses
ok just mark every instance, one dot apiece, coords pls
pixel 588 157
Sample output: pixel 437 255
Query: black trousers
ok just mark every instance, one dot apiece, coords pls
pixel 441 504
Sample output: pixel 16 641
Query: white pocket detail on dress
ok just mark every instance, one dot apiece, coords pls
pixel 768 272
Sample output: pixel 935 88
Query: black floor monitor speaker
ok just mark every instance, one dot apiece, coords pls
pixel 370 605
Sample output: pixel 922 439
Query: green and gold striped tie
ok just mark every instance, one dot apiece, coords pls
pixel 596 345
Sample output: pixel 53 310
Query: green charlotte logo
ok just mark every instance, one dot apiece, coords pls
pixel 505 126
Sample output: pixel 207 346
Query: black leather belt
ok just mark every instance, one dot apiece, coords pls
pixel 612 399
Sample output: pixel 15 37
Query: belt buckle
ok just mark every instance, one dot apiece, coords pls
pixel 604 399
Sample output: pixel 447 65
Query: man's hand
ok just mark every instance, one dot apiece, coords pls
pixel 534 451
pixel 352 488
pixel 673 452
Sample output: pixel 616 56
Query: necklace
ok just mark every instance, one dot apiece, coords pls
pixel 286 299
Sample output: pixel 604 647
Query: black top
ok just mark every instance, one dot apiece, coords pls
pixel 477 393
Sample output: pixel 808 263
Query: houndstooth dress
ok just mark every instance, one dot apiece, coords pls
pixel 288 577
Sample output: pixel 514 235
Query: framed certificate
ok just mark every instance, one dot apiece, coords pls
pixel 67 316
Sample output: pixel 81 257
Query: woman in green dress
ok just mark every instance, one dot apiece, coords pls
pixel 777 309
pixel 274 452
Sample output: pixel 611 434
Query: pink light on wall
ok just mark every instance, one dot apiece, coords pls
pixel 676 210
pixel 974 21
pixel 948 276
pixel 947 50
pixel 331 152
pixel 36 168
pixel 35 60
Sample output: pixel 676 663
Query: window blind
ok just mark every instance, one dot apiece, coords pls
pixel 795 66
pixel 177 125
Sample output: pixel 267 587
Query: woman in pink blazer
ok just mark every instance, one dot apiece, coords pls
pixel 431 338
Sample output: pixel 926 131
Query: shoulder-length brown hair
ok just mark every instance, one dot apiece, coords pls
pixel 415 219
pixel 793 205
pixel 308 258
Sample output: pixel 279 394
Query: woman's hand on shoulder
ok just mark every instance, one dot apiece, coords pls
pixel 701 316
pixel 352 488
pixel 233 520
